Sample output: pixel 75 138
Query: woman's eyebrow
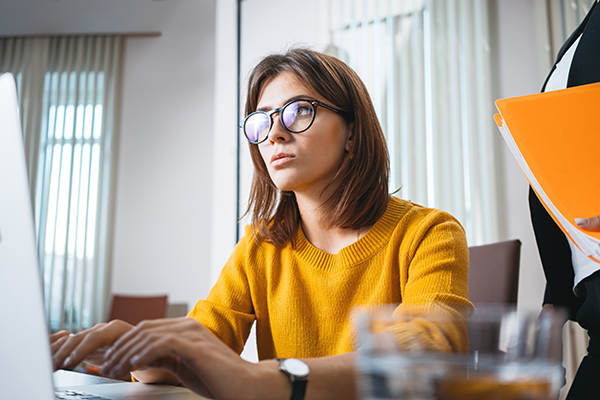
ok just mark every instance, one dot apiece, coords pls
pixel 297 97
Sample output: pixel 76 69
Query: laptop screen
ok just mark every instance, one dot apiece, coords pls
pixel 25 363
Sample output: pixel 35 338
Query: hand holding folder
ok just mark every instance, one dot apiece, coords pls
pixel 589 224
pixel 555 137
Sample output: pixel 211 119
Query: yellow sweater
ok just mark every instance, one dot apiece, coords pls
pixel 301 298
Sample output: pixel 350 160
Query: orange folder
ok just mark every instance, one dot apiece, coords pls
pixel 555 137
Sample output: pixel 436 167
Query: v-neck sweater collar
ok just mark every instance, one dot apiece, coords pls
pixel 357 252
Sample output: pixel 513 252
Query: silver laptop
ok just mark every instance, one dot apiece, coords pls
pixel 25 361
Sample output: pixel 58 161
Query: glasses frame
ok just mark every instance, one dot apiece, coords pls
pixel 313 103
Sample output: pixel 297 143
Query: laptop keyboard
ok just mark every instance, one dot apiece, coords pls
pixel 71 395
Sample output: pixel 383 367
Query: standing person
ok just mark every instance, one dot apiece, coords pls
pixel 325 237
pixel 573 280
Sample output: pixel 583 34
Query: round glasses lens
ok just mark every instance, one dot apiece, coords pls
pixel 256 127
pixel 297 116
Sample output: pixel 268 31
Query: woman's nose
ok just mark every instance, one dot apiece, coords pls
pixel 278 132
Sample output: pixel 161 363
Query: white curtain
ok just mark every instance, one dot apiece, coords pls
pixel 426 64
pixel 563 17
pixel 68 91
pixel 27 60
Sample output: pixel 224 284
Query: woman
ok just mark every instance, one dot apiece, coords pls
pixel 572 279
pixel 325 237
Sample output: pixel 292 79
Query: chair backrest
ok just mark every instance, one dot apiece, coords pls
pixel 134 309
pixel 494 272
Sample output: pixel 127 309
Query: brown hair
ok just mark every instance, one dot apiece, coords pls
pixel 361 183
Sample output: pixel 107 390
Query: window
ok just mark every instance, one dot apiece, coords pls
pixel 70 191
pixel 562 17
pixel 426 64
pixel 67 96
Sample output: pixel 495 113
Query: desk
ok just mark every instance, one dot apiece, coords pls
pixel 119 390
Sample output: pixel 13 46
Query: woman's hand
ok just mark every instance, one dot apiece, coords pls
pixel 589 224
pixel 68 350
pixel 184 347
pixel 183 350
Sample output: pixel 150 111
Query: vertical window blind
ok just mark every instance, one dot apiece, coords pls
pixel 426 64
pixel 563 17
pixel 72 143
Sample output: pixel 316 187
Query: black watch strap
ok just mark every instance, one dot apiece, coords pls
pixel 298 383
pixel 298 388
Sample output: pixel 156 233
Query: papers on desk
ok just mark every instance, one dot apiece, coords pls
pixel 555 137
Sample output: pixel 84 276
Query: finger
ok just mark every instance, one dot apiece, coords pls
pixel 93 339
pixel 57 343
pixel 96 358
pixel 120 357
pixel 161 352
pixel 589 224
pixel 141 336
pixel 96 343
pixel 188 346
pixel 58 335
pixel 145 335
pixel 165 325
pixel 61 355
pixel 77 347
pixel 124 362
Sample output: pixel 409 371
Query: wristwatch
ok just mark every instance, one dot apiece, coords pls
pixel 298 373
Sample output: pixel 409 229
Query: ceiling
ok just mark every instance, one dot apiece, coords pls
pixel 52 17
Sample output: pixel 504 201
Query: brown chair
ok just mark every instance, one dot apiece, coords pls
pixel 134 309
pixel 494 272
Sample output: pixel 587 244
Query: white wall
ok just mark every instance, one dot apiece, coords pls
pixel 517 55
pixel 225 131
pixel 163 201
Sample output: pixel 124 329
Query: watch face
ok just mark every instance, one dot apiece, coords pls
pixel 295 367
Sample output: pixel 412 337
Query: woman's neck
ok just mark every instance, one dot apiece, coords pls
pixel 319 232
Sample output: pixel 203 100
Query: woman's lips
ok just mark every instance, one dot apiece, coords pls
pixel 281 158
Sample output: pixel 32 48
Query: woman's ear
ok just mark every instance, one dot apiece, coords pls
pixel 350 139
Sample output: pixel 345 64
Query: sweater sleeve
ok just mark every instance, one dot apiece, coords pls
pixel 228 311
pixel 435 285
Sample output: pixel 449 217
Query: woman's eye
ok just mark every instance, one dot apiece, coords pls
pixel 302 110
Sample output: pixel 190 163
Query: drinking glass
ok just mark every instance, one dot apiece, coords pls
pixel 498 353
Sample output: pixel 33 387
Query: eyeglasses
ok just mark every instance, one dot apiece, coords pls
pixel 296 117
